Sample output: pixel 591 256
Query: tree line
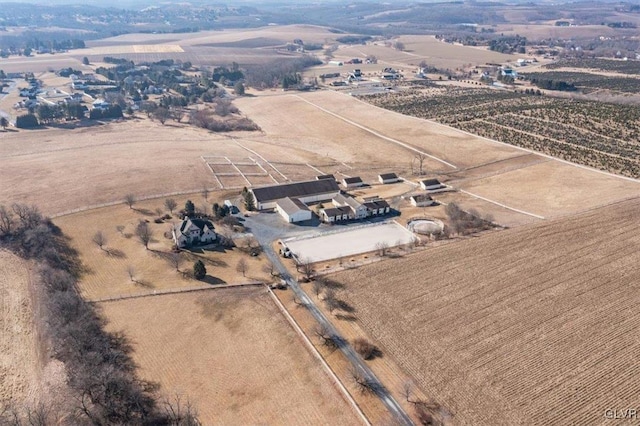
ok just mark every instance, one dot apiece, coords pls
pixel 101 374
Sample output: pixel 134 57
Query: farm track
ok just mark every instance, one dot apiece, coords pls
pixel 534 328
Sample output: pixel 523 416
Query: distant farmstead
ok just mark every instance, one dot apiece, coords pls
pixel 306 192
pixel 193 232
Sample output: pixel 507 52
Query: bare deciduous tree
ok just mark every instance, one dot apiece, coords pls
pixel 242 266
pixel 318 286
pixel 144 233
pixel 419 157
pixel 306 267
pixel 382 248
pixel 179 412
pixel 29 216
pixel 99 239
pixel 269 268
pixel 330 300
pixel 6 221
pixel 327 338
pixel 364 384
pixel 170 204
pixel 176 259
pixel 130 200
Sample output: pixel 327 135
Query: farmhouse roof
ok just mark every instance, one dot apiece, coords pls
pixel 325 177
pixel 197 222
pixel 291 205
pixel 355 179
pixel 431 182
pixel 387 176
pixel 293 190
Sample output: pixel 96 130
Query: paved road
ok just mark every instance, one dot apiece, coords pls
pixel 266 232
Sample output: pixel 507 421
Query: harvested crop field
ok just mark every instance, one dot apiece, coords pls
pixel 233 354
pixel 536 325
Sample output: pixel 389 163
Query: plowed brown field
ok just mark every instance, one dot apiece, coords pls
pixel 232 353
pixel 536 325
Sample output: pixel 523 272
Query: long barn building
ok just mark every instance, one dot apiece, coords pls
pixel 308 192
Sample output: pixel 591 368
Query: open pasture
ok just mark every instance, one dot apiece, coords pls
pixel 108 270
pixel 99 164
pixel 535 325
pixel 349 242
pixel 232 354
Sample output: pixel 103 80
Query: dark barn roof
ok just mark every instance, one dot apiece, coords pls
pixel 431 182
pixel 325 177
pixel 354 179
pixel 387 176
pixel 294 190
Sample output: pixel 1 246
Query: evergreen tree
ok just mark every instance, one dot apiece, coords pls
pixel 199 270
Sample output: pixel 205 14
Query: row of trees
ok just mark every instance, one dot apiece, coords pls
pixel 100 372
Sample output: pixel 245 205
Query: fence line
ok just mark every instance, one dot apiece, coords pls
pixel 172 291
pixel 317 355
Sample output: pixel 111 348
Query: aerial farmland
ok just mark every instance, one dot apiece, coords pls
pixel 254 220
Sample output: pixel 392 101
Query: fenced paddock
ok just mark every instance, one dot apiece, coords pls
pixel 350 242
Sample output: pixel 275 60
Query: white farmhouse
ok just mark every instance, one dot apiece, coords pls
pixel 192 232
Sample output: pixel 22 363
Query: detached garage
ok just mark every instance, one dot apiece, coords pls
pixel 293 210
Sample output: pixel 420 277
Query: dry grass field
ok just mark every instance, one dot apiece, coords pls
pixel 233 354
pixel 19 363
pixel 99 164
pixel 107 274
pixel 420 48
pixel 535 325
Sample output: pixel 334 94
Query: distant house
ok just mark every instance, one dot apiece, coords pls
pixel 352 182
pixel 422 200
pixel 307 192
pixel 388 178
pixel 332 177
pixel 193 232
pixel 293 210
pixel 101 104
pixel 431 184
pixel 509 72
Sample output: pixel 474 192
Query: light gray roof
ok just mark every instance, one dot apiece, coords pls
pixel 291 205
